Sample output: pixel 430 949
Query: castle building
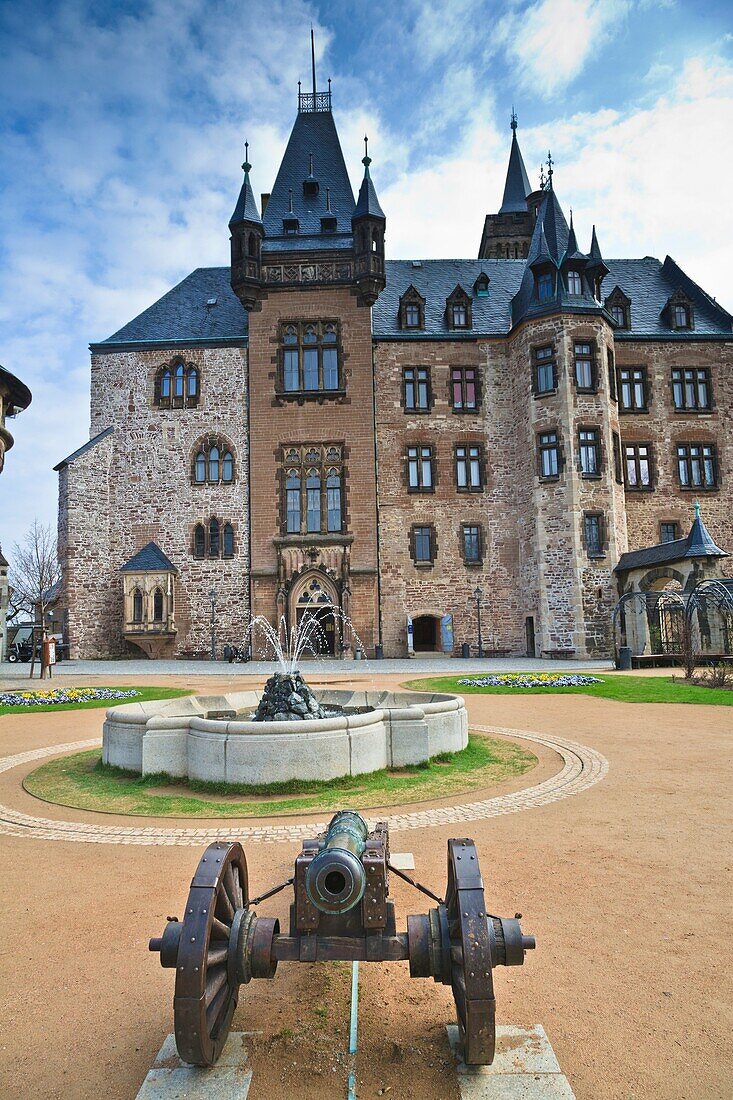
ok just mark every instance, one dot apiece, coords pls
pixel 316 427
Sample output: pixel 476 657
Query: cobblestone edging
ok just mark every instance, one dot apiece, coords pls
pixel 582 768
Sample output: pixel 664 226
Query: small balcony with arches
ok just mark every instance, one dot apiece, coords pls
pixel 149 602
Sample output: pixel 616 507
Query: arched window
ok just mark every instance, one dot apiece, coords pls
pixel 333 500
pixel 158 605
pixel 310 358
pixel 200 467
pixel 313 501
pixel 199 541
pixel 375 240
pixel 137 606
pixel 192 382
pixel 214 464
pixel 165 383
pixel 228 541
pixel 292 492
pixel 178 380
pixel 227 467
pixel 177 385
pixel 214 546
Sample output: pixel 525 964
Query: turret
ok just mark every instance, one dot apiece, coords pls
pixel 368 224
pixel 247 234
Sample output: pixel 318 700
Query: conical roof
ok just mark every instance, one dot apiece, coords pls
pixel 246 208
pixel 367 203
pixel 517 185
pixel 700 543
pixel 573 252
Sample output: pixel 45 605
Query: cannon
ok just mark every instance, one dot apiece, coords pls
pixel 340 911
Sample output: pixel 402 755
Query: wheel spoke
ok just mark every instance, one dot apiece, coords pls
pixel 230 888
pixel 215 979
pixel 219 928
pixel 213 1011
pixel 223 901
pixel 217 955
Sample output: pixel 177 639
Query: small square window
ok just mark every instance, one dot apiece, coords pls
pixel 669 531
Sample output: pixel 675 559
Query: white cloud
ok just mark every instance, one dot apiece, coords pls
pixel 551 41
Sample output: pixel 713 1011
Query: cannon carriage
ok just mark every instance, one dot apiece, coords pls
pixel 341 910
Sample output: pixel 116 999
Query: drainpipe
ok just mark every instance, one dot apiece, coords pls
pixel 376 493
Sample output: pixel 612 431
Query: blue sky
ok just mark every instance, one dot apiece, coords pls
pixel 123 128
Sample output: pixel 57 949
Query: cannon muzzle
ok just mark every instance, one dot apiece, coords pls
pixel 335 879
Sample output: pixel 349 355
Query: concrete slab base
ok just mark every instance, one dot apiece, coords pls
pixel 524 1068
pixel 403 861
pixel 172 1079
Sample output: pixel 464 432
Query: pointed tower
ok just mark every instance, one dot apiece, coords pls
pixel 247 232
pixel 368 223
pixel 507 235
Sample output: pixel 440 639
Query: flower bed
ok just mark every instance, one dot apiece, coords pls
pixel 63 695
pixel 531 680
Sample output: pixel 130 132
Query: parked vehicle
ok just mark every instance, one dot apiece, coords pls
pixel 20 651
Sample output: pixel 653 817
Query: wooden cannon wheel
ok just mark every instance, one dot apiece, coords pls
pixel 470 954
pixel 206 983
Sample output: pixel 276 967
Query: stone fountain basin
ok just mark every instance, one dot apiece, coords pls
pixel 182 737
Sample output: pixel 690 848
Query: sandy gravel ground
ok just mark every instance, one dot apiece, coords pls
pixel 626 886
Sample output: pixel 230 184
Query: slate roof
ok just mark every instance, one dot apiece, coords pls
pixel 20 395
pixel 246 208
pixel 313 132
pixel 367 203
pixel 649 284
pixel 84 447
pixel 182 316
pixel 698 544
pixel 150 559
pixel 517 185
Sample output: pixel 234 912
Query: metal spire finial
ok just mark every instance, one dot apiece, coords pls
pixel 543 181
pixel 313 63
pixel 550 163
pixel 246 166
pixel 697 509
pixel 514 118
pixel 366 160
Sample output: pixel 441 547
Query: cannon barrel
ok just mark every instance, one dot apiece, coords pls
pixel 335 879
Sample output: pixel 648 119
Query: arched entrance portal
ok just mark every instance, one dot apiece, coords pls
pixel 315 594
pixel 426 634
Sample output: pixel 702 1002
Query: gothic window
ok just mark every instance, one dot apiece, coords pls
pixel 214 544
pixel 310 355
pixel 416 389
pixel 213 539
pixel 545 377
pixel 177 385
pixel 549 454
pixel 412 309
pixel 691 389
pixel 544 287
pixel 593 534
pixel 422 544
pixel 589 452
pixel 638 465
pixel 199 541
pixel 697 465
pixel 458 309
pixel 158 602
pixel 585 367
pixel 632 389
pixel 213 462
pixel 668 531
pixel 420 469
pixel 313 490
pixel 472 543
pixel 228 541
pixel 575 283
pixel 468 468
pixel 137 606
pixel 463 389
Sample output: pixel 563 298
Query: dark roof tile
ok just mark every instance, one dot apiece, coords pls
pixel 150 559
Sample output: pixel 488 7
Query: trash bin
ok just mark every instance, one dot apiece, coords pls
pixel 379 652
pixel 624 658
pixel 465 650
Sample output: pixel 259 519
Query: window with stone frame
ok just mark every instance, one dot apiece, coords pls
pixel 618 472
pixel 420 473
pixel 213 462
pixel 585 367
pixel 458 309
pixel 633 389
pixel 669 531
pixel 638 466
pixel 469 467
pixel 423 544
pixel 177 385
pixel 412 310
pixel 680 313
pixel 549 458
pixel 594 535
pixel 691 389
pixel 464 389
pixel 472 543
pixel 213 539
pixel 544 369
pixel 137 606
pixel 416 389
pixel 309 359
pixel 589 452
pixel 619 307
pixel 697 465
pixel 611 367
pixel 158 605
pixel 313 490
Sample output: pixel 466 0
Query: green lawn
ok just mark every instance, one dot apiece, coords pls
pixel 625 689
pixel 82 781
pixel 146 694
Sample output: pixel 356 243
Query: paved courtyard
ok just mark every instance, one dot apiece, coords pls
pixel 624 883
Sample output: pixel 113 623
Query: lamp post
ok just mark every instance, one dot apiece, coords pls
pixel 478 594
pixel 212 597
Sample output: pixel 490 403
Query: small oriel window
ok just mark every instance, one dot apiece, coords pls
pixel 137 606
pixel 158 604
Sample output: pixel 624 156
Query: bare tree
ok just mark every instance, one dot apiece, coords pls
pixel 34 571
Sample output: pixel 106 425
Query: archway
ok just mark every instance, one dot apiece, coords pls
pixel 314 594
pixel 426 634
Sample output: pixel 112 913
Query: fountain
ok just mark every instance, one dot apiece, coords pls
pixel 286 731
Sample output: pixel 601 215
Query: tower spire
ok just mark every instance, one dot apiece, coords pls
pixel 313 63
pixel 517 185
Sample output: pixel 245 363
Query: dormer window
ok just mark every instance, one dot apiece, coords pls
pixel 311 188
pixel 412 309
pixel 618 317
pixel 619 307
pixel 481 286
pixel 458 316
pixel 681 316
pixel 679 312
pixel 575 283
pixel 458 309
pixel 290 226
pixel 544 287
pixel 328 224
